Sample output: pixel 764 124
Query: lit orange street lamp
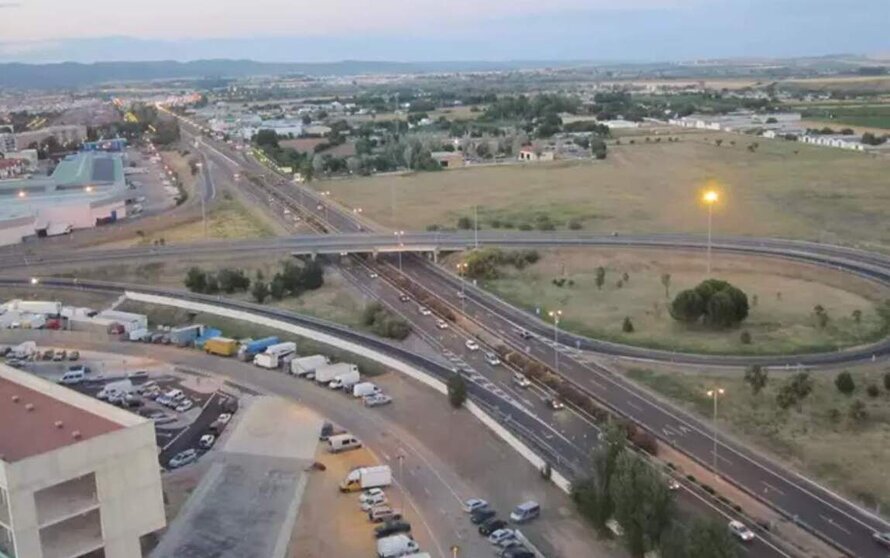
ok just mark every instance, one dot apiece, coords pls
pixel 710 197
pixel 714 394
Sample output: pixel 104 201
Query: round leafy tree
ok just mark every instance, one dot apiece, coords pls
pixel 713 302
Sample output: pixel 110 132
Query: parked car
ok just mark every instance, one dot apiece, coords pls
pixel 224 418
pixel 375 500
pixel 500 535
pixel 516 552
pixel 74 355
pixel 492 359
pixel 471 345
pixel 741 532
pixel 369 494
pixel 148 386
pixel 131 400
pixel 60 355
pixel 207 441
pixel 525 512
pixel 492 525
pixel 137 375
pixel 379 514
pixel 482 515
pixel 48 354
pixel 393 527
pixel 185 405
pixel 377 400
pixel 474 504
pixel 521 380
pixel 183 458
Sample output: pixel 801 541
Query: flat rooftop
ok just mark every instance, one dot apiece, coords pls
pixel 38 416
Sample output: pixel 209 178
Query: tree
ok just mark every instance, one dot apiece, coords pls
pixel 212 286
pixel 260 291
pixel 457 391
pixel 708 538
pixel 688 306
pixel 844 383
pixel 464 223
pixel 887 381
pixel 857 412
pixel 715 303
pixel 857 316
pixel 232 280
pixel 745 337
pixel 276 287
pixel 719 142
pixel 674 542
pixel 756 376
pixel 196 280
pixel 592 494
pixel 598 148
pixel 627 326
pixel 872 390
pixel 666 283
pixel 600 277
pixel 643 503
pixel 798 387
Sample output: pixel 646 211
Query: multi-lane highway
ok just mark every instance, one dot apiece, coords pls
pixel 813 507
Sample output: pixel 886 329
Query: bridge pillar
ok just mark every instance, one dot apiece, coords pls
pixel 313 255
pixel 435 255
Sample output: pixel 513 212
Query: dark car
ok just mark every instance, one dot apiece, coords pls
pixel 517 552
pixel 229 405
pixel 491 526
pixel 482 515
pixel 390 528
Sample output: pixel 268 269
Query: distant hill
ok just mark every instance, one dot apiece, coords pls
pixel 71 74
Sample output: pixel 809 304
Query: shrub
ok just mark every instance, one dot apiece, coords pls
pixel 627 326
pixel 844 383
pixel 745 337
pixel 457 391
pixel 872 390
pixel 714 302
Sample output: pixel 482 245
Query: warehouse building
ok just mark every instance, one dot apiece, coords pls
pixel 78 477
pixel 85 190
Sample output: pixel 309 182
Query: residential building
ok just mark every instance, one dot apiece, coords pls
pixel 532 154
pixel 10 168
pixel 449 159
pixel 7 139
pixel 66 134
pixel 78 477
pixel 833 140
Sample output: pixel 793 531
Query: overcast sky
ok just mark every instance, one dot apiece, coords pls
pixel 416 30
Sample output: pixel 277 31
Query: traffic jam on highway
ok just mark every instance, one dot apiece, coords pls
pixel 566 437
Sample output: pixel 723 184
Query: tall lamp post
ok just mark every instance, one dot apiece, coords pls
pixel 555 315
pixel 462 271
pixel 714 394
pixel 710 197
pixel 399 235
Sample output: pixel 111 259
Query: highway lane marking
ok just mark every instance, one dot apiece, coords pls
pixel 831 522
pixel 634 405
pixel 773 488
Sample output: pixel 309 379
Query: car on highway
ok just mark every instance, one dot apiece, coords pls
pixel 404 298
pixel 673 484
pixel 376 400
pixel 492 525
pixel 525 334
pixel 482 515
pixel 373 275
pixel 471 345
pixel 740 531
pixel 521 380
pixel 206 442
pixel 882 539
pixel 474 504
pixel 501 535
pixel 555 404
pixel 461 295
pixel 424 311
pixel 441 324
pixel 183 458
pixel 390 528
pixel 492 359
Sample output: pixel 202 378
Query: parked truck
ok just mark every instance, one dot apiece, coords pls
pixel 363 478
pixel 308 364
pixel 267 360
pixel 324 374
pixel 186 335
pixel 252 348
pixel 345 381
pixel 222 346
pixel 140 334
pixel 24 350
pixel 396 546
pixel 282 349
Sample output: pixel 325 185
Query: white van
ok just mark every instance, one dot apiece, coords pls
pixel 525 511
pixel 72 377
pixel 343 442
pixel 364 389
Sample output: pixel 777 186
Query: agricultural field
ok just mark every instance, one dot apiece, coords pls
pixel 868 116
pixel 782 296
pixel 821 437
pixel 782 189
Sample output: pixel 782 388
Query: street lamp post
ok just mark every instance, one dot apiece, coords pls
pixel 476 225
pixel 710 197
pixel 401 458
pixel 715 393
pixel 462 270
pixel 399 235
pixel 555 314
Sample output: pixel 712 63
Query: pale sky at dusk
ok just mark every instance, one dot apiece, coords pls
pixel 301 30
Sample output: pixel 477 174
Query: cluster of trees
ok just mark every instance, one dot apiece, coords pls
pixel 713 302
pixel 384 323
pixel 484 263
pixel 225 280
pixel 267 142
pixel 624 488
pixel 869 138
pixel 292 280
pixel 457 391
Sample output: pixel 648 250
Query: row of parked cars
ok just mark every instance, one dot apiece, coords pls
pixel 508 541
pixel 394 534
pixel 207 439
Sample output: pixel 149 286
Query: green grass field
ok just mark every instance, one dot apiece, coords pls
pixel 820 440
pixel 874 116
pixel 781 319
pixel 784 189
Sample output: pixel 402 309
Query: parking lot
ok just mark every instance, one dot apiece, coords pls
pixel 147 179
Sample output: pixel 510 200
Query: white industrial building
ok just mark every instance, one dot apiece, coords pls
pixel 85 190
pixel 78 477
pixel 833 140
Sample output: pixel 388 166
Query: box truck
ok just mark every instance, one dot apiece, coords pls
pixel 345 380
pixel 364 389
pixel 281 349
pixel 324 374
pixel 250 349
pixel 184 336
pixel 396 546
pixel 266 360
pixel 363 478
pixel 308 364
pixel 139 334
pixel 222 346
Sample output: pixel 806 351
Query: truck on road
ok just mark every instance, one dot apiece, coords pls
pixel 324 374
pixel 308 364
pixel 222 346
pixel 363 478
pixel 396 546
pixel 250 349
pixel 346 380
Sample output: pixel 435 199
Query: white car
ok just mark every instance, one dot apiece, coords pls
pixel 492 359
pixel 471 345
pixel 207 441
pixel 369 494
pixel 441 324
pixel 461 296
pixel 376 500
pixel 741 532
pixel 373 275
pixel 474 504
pixel 185 405
pixel 424 311
pixel 224 418
pixel 521 380
pixel 501 535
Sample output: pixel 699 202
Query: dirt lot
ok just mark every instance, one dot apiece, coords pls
pixel 781 319
pixel 784 189
pixel 820 440
pixel 70 297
